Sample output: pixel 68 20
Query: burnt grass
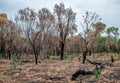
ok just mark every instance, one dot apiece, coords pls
pixel 56 71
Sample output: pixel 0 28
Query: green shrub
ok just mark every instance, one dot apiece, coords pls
pixel 14 59
pixel 14 65
pixel 96 73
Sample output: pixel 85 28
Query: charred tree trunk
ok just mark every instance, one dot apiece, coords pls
pixel 36 58
pixel 112 59
pixel 36 55
pixel 9 55
pixel 62 51
pixel 3 49
pixel 84 56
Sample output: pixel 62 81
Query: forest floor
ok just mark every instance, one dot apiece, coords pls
pixel 56 71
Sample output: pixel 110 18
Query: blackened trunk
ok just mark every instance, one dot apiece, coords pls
pixel 36 59
pixel 9 56
pixel 35 54
pixel 90 53
pixel 3 50
pixel 112 59
pixel 84 56
pixel 62 51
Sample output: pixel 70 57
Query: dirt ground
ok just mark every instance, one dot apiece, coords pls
pixel 56 71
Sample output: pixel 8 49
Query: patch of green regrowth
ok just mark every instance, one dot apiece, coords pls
pixel 70 55
pixel 65 57
pixel 75 54
pixel 15 57
pixel 14 65
pixel 96 73
pixel 54 58
pixel 14 61
pixel 94 56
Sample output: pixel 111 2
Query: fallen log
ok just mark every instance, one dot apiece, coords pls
pixel 98 65
pixel 80 72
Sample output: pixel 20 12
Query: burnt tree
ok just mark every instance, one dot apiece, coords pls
pixel 65 24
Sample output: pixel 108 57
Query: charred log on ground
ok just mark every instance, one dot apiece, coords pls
pixel 81 72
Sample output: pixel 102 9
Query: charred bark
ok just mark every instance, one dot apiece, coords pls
pixel 112 58
pixel 84 56
pixel 36 59
pixel 9 54
pixel 98 65
pixel 3 49
pixel 62 51
pixel 81 72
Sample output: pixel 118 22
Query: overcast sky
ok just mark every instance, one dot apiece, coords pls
pixel 109 10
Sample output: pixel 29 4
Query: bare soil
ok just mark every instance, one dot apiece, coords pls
pixel 56 71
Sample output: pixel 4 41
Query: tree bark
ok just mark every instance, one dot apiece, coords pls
pixel 3 49
pixel 36 59
pixel 36 56
pixel 112 58
pixel 84 56
pixel 9 55
pixel 62 51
